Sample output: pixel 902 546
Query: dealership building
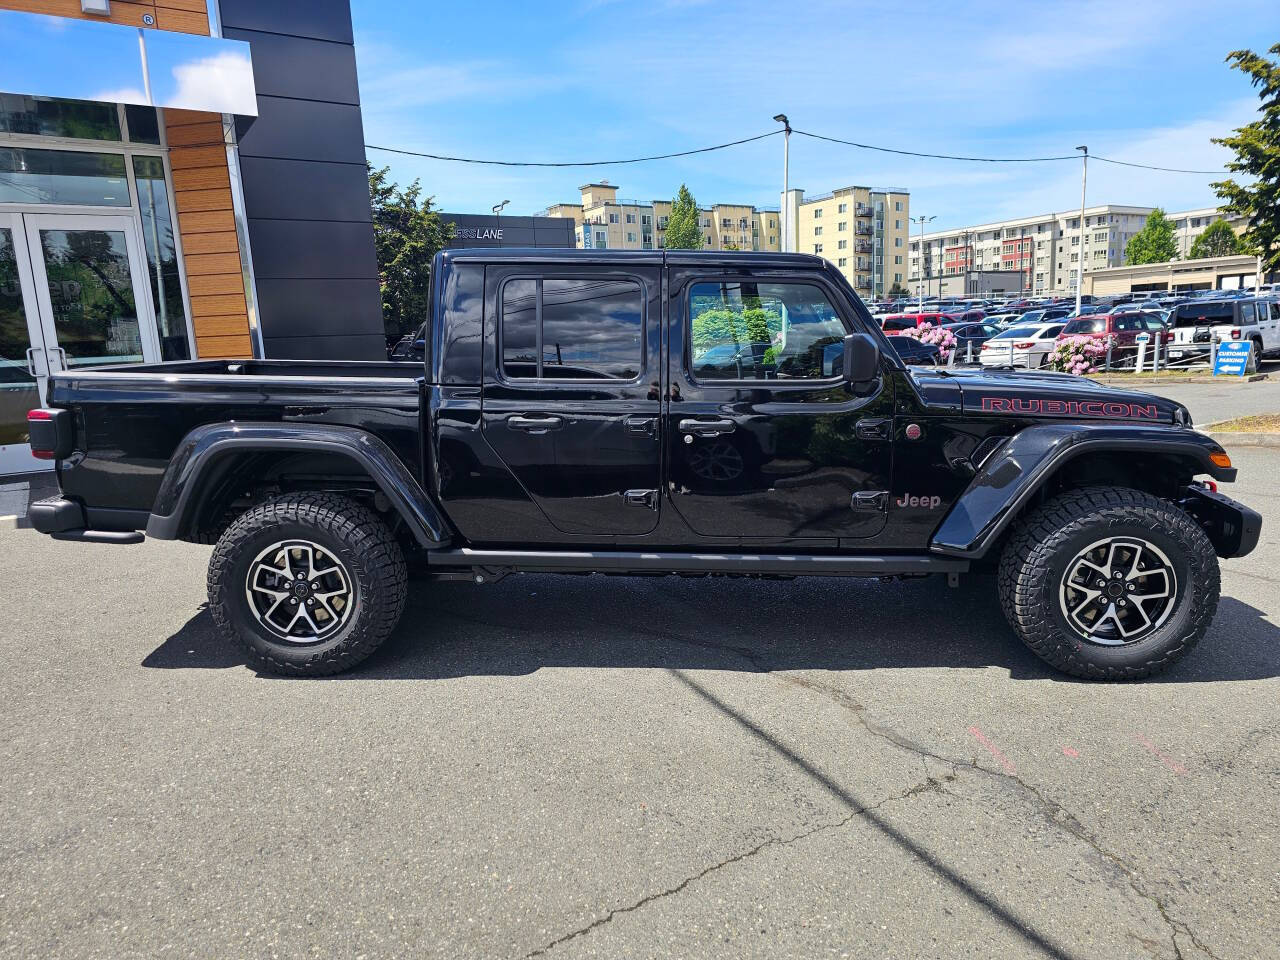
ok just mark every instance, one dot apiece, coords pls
pixel 178 179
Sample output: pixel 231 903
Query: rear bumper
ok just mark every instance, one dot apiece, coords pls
pixel 1232 527
pixel 65 519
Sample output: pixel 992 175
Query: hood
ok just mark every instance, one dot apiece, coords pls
pixel 1052 396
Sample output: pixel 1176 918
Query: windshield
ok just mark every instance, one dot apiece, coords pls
pixel 1085 325
pixel 1204 314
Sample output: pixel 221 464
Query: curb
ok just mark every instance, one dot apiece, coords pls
pixel 1134 381
pixel 1233 438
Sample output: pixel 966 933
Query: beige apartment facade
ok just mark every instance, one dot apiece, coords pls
pixel 604 221
pixel 1045 249
pixel 863 231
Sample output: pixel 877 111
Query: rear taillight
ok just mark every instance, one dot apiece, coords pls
pixel 50 434
pixel 1027 345
pixel 1235 334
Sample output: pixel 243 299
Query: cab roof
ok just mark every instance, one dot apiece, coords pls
pixel 741 258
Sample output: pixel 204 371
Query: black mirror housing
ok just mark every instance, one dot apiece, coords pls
pixel 861 360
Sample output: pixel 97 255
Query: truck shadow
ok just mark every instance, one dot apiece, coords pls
pixel 528 622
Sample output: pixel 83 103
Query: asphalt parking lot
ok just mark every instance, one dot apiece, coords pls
pixel 593 767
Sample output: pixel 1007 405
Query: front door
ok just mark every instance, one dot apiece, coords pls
pixel 23 369
pixel 767 444
pixel 571 400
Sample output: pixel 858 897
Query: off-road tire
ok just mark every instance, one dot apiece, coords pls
pixel 1045 541
pixel 355 536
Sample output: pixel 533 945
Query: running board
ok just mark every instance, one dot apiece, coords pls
pixel 771 564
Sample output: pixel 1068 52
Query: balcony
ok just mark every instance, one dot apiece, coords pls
pixel 864 283
pixel 863 229
pixel 862 210
pixel 863 246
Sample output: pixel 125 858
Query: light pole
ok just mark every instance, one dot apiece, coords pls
pixel 786 180
pixel 922 220
pixel 1084 180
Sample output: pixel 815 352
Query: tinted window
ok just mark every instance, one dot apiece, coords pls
pixel 763 331
pixel 1084 325
pixel 1130 321
pixel 897 323
pixel 1204 314
pixel 591 329
pixel 1246 313
pixel 1015 333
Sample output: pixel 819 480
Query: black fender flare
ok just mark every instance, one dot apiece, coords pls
pixel 1025 462
pixel 178 496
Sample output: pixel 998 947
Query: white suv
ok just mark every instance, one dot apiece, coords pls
pixel 1196 324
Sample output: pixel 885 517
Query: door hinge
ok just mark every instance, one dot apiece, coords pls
pixel 641 498
pixel 876 501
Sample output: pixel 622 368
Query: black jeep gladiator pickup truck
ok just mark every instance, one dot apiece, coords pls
pixel 640 413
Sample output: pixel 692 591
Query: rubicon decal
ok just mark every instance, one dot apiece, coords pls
pixel 1072 408
pixel 929 503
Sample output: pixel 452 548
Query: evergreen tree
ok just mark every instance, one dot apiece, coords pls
pixel 1154 243
pixel 683 230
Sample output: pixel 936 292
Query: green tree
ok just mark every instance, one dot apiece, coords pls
pixel 683 231
pixel 1257 149
pixel 1154 243
pixel 407 233
pixel 898 290
pixel 1218 240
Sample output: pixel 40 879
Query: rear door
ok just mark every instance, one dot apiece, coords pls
pixel 571 397
pixel 767 445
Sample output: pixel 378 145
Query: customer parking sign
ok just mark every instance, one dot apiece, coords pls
pixel 1233 358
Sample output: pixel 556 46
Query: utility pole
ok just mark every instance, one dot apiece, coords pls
pixel 1084 180
pixel 922 220
pixel 786 180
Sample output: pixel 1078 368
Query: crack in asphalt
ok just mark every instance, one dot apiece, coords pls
pixel 929 784
pixel 1050 809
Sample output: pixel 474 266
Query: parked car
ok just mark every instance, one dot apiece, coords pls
pixel 563 421
pixel 1025 345
pixel 970 337
pixel 1046 314
pixel 897 322
pixel 1254 319
pixel 1123 328
pixel 910 350
pixel 1004 320
pixel 972 315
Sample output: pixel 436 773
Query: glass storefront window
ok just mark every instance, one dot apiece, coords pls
pixel 48 117
pixel 143 124
pixel 62 176
pixel 162 257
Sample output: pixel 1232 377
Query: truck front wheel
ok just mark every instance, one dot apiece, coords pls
pixel 1109 583
pixel 307 584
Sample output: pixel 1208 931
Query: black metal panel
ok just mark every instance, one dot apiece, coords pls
pixel 291 66
pixel 305 190
pixel 302 130
pixel 487 230
pixel 320 308
pixel 354 347
pixel 306 249
pixel 319 19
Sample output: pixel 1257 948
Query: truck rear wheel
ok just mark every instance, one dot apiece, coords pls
pixel 1109 583
pixel 307 584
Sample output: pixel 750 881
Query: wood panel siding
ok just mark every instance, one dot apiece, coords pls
pixel 201 184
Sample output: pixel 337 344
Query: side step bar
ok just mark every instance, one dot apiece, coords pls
pixel 775 564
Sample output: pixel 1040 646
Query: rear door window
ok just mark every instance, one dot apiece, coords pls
pixel 559 328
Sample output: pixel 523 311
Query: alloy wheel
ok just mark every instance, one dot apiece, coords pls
pixel 299 591
pixel 1118 590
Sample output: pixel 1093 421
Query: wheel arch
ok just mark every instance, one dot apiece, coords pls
pixel 214 458
pixel 1046 459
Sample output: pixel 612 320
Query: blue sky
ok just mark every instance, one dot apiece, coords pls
pixel 601 79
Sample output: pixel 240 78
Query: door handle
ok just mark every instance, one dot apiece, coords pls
pixel 534 424
pixel 873 428
pixel 646 426
pixel 65 364
pixel 707 428
pixel 31 361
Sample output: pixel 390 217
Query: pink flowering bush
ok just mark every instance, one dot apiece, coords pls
pixel 944 340
pixel 1077 355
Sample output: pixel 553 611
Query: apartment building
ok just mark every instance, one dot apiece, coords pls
pixel 863 231
pixel 603 221
pixel 1046 249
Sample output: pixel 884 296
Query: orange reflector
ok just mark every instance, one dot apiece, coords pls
pixel 1220 459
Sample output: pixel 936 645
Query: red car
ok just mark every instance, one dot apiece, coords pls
pixel 895 323
pixel 1123 327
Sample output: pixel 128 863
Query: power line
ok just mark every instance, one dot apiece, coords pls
pixel 1147 166
pixel 933 156
pixel 577 163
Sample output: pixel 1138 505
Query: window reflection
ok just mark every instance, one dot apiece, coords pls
pixel 17 386
pixel 162 257
pixel 592 329
pixel 62 176
pixel 91 292
pixel 50 117
pixel 143 124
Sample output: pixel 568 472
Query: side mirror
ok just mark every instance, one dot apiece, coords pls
pixel 861 359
